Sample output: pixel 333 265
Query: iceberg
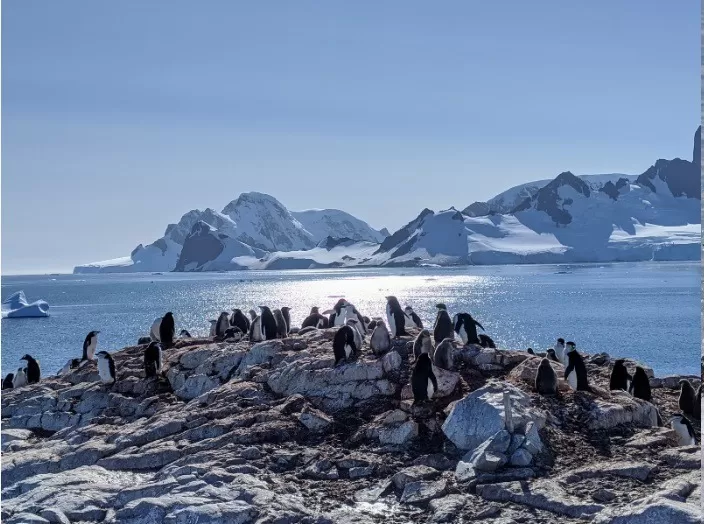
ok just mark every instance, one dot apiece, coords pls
pixel 16 306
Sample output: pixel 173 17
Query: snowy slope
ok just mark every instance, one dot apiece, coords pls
pixel 322 223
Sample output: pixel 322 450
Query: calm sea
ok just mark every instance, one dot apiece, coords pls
pixel 648 311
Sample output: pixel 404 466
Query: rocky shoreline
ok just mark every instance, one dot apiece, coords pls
pixel 271 432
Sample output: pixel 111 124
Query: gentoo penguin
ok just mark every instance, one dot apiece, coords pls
pixel 486 341
pixel 343 345
pixel 106 367
pixel 222 324
pixel 423 381
pixel 213 327
pixel 640 385
pixel 7 382
pixel 423 344
pixel 286 312
pixel 620 377
pixel 443 327
pixel 154 330
pixel 233 334
pixel 20 378
pixel 395 317
pixel 268 323
pixel 684 430
pixel 576 370
pixel 281 326
pixel 466 327
pixel 33 371
pixel 560 351
pixel 73 363
pixel 381 340
pixel 358 338
pixel 315 319
pixel 152 360
pixel 336 313
pixel 698 404
pixel 351 312
pixel 443 356
pixel 530 351
pixel 688 397
pixel 167 330
pixel 552 356
pixel 546 379
pixel 412 320
pixel 89 345
pixel 255 329
pixel 184 334
pixel 240 320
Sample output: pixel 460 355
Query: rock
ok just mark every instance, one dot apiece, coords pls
pixel 651 510
pixel 26 518
pixel 506 475
pixel 521 457
pixel 447 383
pixel 623 468
pixel 412 474
pixel 620 409
pixel 481 414
pixel 373 493
pixel 315 420
pixel 487 359
pixel 195 385
pixel 488 456
pixel 686 457
pixel 546 495
pixel 360 472
pixel 398 434
pixel 603 495
pixel 54 516
pixel 531 441
pixel 13 435
pixel 323 470
pixel 673 381
pixel 650 438
pixel 446 508
pixel 421 491
pixel 465 472
pixel 517 441
pixel 436 460
pixel 526 371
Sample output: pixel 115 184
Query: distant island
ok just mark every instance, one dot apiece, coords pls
pixel 570 219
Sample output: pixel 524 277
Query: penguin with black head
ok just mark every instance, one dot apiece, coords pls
pixel 423 382
pixel 576 370
pixel 89 345
pixel 620 377
pixel 153 360
pixel 443 327
pixel 395 317
pixel 343 344
pixel 33 371
pixel 167 330
pixel 240 320
pixel 269 329
pixel 640 385
pixel 688 398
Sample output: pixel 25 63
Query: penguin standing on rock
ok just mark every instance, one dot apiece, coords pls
pixel 152 360
pixel 576 370
pixel 286 312
pixel 213 327
pixel 545 379
pixel 530 351
pixel 255 329
pixel 358 337
pixel 167 330
pixel 486 341
pixel 684 430
pixel 640 385
pixel 560 351
pixel 154 330
pixel 466 327
pixel 688 398
pixel 412 320
pixel 315 319
pixel 20 378
pixel 281 327
pixel 222 325
pixel 184 334
pixel 33 371
pixel 380 342
pixel 7 382
pixel 443 328
pixel 106 367
pixel 423 381
pixel 395 317
pixel 372 324
pixel 552 356
pixel 343 344
pixel 423 344
pixel 336 318
pixel 269 329
pixel 443 357
pixel 620 377
pixel 89 345
pixel 72 364
pixel 238 319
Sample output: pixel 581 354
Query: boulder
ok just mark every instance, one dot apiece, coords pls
pixel 488 359
pixel 412 474
pixel 421 491
pixel 525 372
pixel 620 408
pixel 651 510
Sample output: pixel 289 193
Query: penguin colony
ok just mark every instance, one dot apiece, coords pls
pixel 431 351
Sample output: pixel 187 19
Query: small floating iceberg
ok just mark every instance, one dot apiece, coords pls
pixel 16 306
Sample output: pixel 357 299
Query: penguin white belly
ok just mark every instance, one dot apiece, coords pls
pixel 628 387
pixel 66 368
pixel 158 363
pixel 682 432
pixel 463 334
pixel 212 329
pixel 409 322
pixel 104 370
pixel 257 329
pixel 320 324
pixel 572 380
pixel 348 350
pixel 431 389
pixel 391 322
pixel 154 331
pixel 357 339
pixel 19 380
pixel 90 350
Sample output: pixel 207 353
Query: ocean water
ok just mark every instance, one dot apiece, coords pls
pixel 648 311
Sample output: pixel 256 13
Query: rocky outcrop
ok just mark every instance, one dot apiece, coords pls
pixel 240 432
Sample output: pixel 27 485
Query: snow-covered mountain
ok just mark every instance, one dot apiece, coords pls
pixel 323 223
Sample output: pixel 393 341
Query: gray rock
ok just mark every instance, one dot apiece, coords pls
pixel 398 434
pixel 315 420
pixel 422 491
pixel 603 495
pixel 621 409
pixel 446 508
pixel 413 474
pixel 373 493
pixel 360 472
pixel 622 468
pixel 26 518
pixel 323 470
pixel 684 457
pixel 651 510
pixel 516 442
pixel 532 442
pixel 521 457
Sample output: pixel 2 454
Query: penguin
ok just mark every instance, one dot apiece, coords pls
pixel 640 385
pixel 698 404
pixel 530 351
pixel 412 320
pixel 255 329
pixel 351 312
pixel 395 317
pixel 268 323
pixel 335 313
pixel 20 378
pixel 684 430
pixel 152 360
pixel 372 325
pixel 285 311
pixel 33 371
pixel 620 377
pixel 358 338
pixel 7 382
pixel 551 355
pixel 545 378
pixel 343 345
pixel 307 329
pixel 576 370
pixel 688 398
pixel 154 330
pixel 423 344
pixel 222 324
pixel 466 327
pixel 443 328
pixel 167 330
pixel 240 320
pixel 443 356
pixel 233 334
pixel 560 351
pixel 315 319
pixel 106 367
pixel 141 341
pixel 252 314
pixel 486 341
pixel 89 345
pixel 423 381
pixel 380 342
pixel 184 334
pixel 281 327
pixel 73 363
pixel 213 327
pixel 365 320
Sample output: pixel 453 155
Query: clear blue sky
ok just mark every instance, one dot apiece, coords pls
pixel 118 117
